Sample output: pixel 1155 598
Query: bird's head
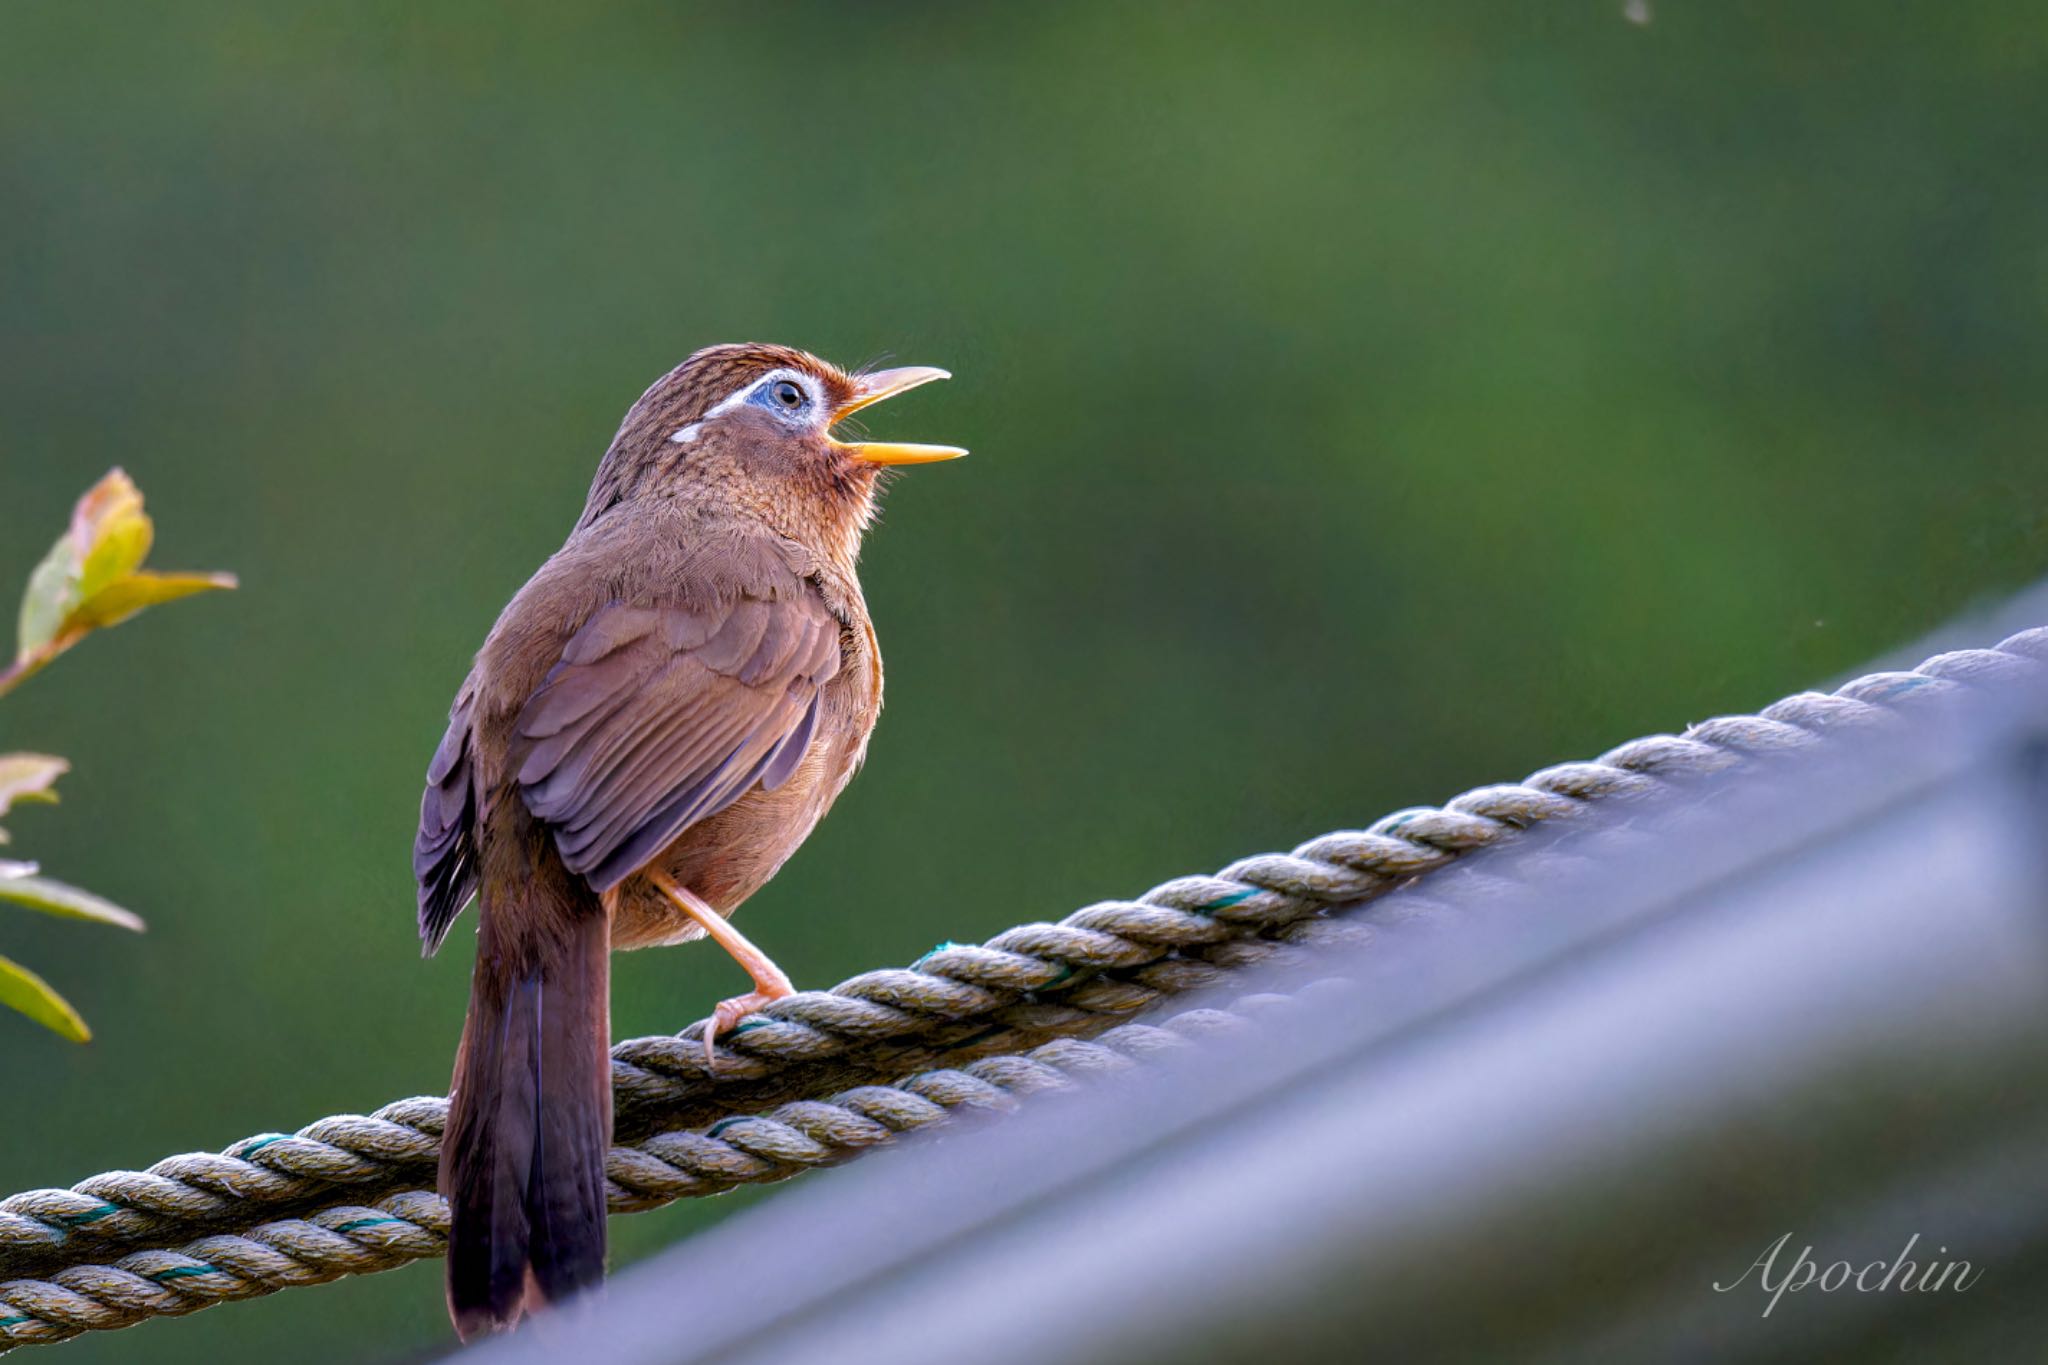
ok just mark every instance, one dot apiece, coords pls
pixel 749 427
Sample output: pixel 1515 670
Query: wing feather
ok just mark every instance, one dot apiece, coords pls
pixel 659 716
pixel 444 851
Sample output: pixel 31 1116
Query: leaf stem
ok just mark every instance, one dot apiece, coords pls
pixel 19 671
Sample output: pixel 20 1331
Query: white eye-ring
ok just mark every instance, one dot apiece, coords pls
pixel 790 396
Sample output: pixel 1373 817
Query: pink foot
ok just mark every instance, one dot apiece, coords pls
pixel 730 1012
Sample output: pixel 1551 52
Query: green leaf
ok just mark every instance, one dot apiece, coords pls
pixel 124 597
pixel 93 577
pixel 110 532
pixel 22 990
pixel 107 539
pixel 28 777
pixel 52 593
pixel 55 898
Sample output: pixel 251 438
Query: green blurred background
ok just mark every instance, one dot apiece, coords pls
pixel 1366 402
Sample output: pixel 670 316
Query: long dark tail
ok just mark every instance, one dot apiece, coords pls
pixel 530 1112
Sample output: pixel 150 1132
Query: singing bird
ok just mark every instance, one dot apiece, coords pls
pixel 656 721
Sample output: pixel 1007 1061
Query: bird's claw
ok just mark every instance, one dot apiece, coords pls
pixel 729 1013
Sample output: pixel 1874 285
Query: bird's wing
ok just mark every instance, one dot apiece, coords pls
pixel 660 716
pixel 444 851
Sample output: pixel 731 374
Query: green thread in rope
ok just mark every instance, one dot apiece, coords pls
pixel 249 1148
pixel 719 1127
pixel 355 1223
pixel 1899 686
pixel 938 948
pixel 185 1272
pixel 9 1322
pixel 1225 902
pixel 79 1220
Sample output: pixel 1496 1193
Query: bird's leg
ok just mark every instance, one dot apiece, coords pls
pixel 769 981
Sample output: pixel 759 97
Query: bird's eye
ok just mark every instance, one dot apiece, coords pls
pixel 788 398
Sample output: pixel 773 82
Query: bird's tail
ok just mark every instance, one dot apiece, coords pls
pixel 530 1110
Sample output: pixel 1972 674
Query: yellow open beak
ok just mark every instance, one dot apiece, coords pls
pixel 873 388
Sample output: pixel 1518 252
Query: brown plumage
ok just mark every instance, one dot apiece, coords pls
pixel 658 719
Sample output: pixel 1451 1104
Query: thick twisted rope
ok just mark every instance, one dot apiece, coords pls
pixel 687 1131
pixel 354 1239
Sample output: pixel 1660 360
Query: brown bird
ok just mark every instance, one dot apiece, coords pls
pixel 658 719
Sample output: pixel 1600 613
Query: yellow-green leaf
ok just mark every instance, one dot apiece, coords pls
pixel 52 593
pixel 56 898
pixel 110 532
pixel 93 577
pixel 24 991
pixel 122 598
pixel 29 777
